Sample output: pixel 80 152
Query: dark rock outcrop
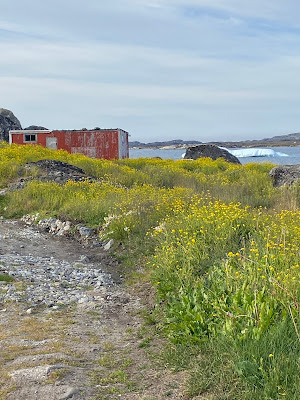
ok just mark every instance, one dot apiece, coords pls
pixel 211 151
pixel 51 171
pixel 35 128
pixel 285 175
pixel 8 122
pixel 58 171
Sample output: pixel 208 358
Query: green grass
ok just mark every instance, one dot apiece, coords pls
pixel 221 247
pixel 6 278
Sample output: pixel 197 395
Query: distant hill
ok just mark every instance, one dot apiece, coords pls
pixel 175 142
pixel 291 139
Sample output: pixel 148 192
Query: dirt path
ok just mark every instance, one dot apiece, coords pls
pixel 93 348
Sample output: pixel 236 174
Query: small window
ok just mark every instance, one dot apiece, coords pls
pixel 30 138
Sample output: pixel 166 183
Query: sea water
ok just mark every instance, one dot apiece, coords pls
pixel 293 155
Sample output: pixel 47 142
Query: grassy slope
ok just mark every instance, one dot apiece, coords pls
pixel 221 246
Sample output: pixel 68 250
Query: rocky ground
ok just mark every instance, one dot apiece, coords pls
pixel 69 327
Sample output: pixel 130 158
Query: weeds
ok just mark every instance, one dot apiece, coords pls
pixel 6 278
pixel 221 247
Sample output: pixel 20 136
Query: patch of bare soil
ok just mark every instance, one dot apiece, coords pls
pixel 94 348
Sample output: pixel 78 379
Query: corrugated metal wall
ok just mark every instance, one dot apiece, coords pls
pixel 106 143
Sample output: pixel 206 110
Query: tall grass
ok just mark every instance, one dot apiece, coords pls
pixel 221 245
pixel 248 184
pixel 230 274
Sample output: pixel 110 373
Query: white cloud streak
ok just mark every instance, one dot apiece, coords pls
pixel 152 68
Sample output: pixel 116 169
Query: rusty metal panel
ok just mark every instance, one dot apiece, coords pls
pixel 87 151
pixel 17 138
pixel 68 138
pixel 107 145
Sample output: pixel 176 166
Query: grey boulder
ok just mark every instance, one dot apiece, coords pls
pixel 8 121
pixel 285 175
pixel 209 150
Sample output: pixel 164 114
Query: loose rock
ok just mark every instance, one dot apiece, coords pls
pixel 108 245
pixel 69 393
pixel 83 231
pixel 39 373
pixel 46 280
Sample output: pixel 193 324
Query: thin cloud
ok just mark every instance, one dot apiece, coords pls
pixel 152 68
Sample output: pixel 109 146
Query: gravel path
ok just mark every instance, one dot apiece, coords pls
pixel 69 329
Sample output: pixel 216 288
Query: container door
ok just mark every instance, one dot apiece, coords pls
pixel 51 143
pixel 123 145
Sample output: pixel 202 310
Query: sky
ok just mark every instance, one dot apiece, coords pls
pixel 160 69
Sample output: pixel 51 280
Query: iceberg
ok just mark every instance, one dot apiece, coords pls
pixel 256 152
